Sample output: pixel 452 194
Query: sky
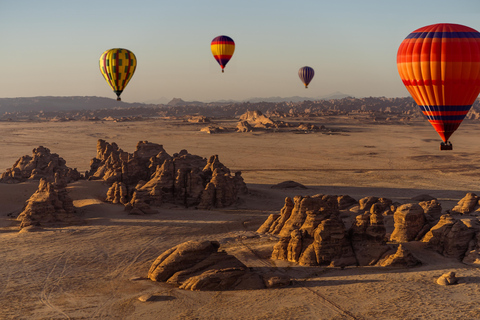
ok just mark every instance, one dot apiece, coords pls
pixel 52 47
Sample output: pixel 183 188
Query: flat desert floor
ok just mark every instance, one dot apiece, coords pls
pixel 91 271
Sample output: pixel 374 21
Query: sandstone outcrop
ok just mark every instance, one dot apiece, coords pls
pixel 42 164
pixel 472 256
pixel 244 126
pixel 198 119
pixel 451 237
pixel 432 209
pixel 312 233
pixel 257 119
pixel 49 205
pixel 409 222
pixel 367 236
pixel 150 176
pixel 213 129
pixel 467 204
pixel 401 258
pixel 198 265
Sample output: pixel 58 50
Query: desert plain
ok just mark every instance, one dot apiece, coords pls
pixel 95 270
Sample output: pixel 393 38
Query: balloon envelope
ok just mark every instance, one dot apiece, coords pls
pixel 440 66
pixel 306 75
pixel 222 50
pixel 117 67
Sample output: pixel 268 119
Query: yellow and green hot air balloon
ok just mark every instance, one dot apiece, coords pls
pixel 117 67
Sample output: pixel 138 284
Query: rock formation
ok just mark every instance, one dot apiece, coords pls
pixel 244 126
pixel 409 222
pixel 150 176
pixel 467 204
pixel 49 205
pixel 451 237
pixel 401 258
pixel 447 279
pixel 312 233
pixel 257 119
pixel 214 129
pixel 42 164
pixel 198 119
pixel 198 265
pixel 472 256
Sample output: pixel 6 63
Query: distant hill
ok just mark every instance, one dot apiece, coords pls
pixel 335 95
pixel 61 104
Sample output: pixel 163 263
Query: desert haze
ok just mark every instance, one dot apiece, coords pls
pixel 97 267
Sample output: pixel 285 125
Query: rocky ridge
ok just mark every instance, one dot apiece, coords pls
pixel 150 176
pixel 41 165
pixel 314 231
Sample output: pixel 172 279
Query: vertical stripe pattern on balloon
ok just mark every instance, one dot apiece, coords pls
pixel 306 75
pixel 117 67
pixel 440 67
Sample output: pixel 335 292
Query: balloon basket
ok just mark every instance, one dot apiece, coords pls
pixel 446 146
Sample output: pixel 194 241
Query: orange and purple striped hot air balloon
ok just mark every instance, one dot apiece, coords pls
pixel 440 67
pixel 222 50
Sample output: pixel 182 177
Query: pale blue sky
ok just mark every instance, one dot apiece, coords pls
pixel 52 47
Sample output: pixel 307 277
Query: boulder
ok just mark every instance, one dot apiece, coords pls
pixel 180 257
pixel 199 266
pixel 447 279
pixel 467 204
pixel 409 222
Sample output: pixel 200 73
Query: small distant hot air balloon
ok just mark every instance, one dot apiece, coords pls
pixel 440 66
pixel 117 67
pixel 306 75
pixel 222 49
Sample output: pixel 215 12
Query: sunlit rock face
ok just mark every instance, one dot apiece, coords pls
pixel 42 164
pixel 150 176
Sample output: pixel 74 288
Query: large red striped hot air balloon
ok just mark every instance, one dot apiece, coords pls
pixel 306 75
pixel 222 50
pixel 440 67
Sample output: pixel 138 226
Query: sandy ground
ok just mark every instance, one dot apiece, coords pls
pixel 91 271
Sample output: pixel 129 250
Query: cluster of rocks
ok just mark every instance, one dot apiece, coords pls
pixel 253 120
pixel 42 164
pixel 49 205
pixel 198 265
pixel 313 231
pixel 150 176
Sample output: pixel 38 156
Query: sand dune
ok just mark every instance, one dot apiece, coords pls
pixel 91 271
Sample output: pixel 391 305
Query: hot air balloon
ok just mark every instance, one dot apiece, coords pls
pixel 222 49
pixel 440 66
pixel 306 75
pixel 117 67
